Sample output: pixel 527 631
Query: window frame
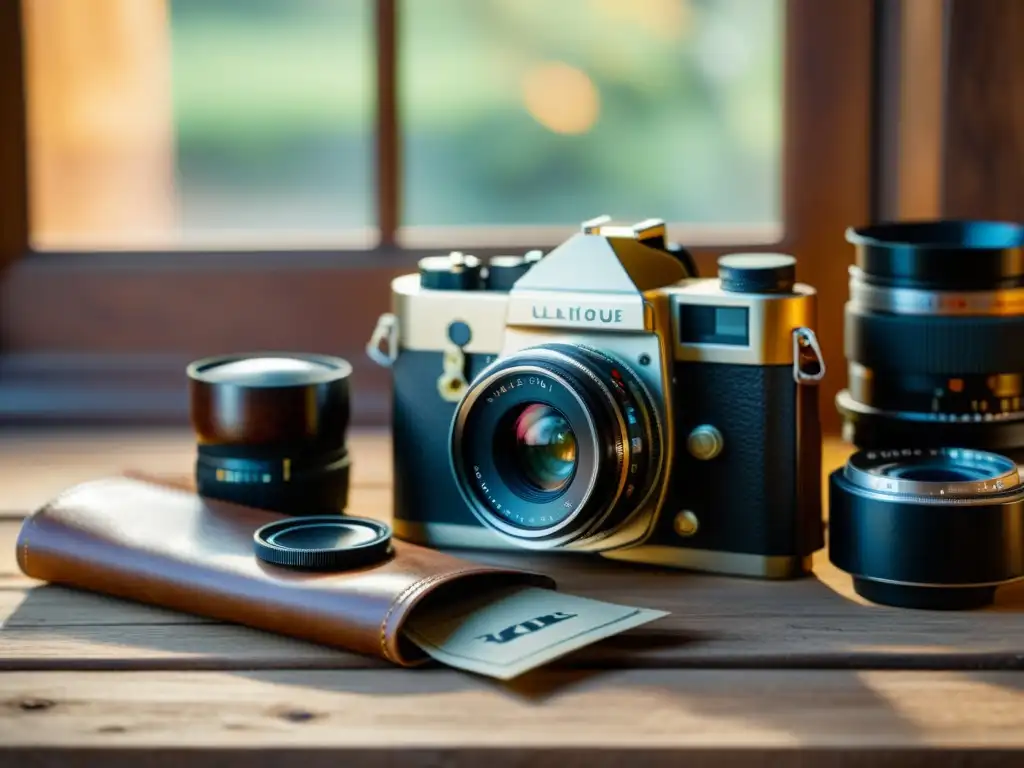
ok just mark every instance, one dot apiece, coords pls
pixel 104 336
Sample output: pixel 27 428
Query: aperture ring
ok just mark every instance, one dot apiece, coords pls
pixel 943 345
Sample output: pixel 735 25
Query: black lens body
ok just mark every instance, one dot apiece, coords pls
pixel 927 528
pixel 616 445
pixel 271 430
pixel 934 336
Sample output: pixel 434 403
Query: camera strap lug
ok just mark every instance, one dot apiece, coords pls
pixel 383 345
pixel 452 383
pixel 808 361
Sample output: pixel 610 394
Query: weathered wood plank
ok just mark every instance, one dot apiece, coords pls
pixel 815 622
pixel 35 465
pixel 448 718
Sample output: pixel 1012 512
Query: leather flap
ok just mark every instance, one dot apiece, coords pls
pixel 167 546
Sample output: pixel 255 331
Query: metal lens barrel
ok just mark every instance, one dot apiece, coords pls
pixel 556 445
pixel 935 336
pixel 271 430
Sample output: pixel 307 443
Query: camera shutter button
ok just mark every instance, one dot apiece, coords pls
pixel 705 442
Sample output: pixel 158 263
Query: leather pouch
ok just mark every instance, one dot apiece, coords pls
pixel 167 546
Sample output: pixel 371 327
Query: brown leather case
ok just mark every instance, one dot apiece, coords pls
pixel 167 546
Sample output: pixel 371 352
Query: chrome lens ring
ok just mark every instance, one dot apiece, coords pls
pixel 944 474
pixel 918 301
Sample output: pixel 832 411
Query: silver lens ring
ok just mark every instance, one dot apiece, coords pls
pixel 936 473
pixel 915 301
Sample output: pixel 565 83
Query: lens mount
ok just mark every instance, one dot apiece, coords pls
pixel 928 528
pixel 616 445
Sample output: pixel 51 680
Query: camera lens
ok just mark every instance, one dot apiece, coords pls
pixel 542 448
pixel 933 324
pixel 556 445
pixel 928 528
pixel 271 430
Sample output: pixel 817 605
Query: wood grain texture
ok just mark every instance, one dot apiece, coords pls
pixel 743 672
pixel 638 714
pixel 13 141
pixel 715 621
pixel 984 162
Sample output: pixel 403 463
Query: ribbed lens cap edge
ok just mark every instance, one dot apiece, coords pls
pixel 323 543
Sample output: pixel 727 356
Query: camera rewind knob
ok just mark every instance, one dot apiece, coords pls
pixel 503 271
pixel 454 272
pixel 757 272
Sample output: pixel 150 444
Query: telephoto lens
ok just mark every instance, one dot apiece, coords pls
pixel 935 336
pixel 271 430
pixel 930 528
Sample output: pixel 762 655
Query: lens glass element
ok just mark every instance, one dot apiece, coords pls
pixel 556 446
pixel 544 450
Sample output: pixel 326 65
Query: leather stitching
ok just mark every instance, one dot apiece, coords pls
pixel 397 602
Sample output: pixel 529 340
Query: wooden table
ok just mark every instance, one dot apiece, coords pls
pixel 742 671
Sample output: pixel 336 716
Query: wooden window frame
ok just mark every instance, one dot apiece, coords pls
pixel 104 336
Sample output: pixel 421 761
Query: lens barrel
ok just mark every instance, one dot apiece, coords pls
pixel 271 430
pixel 933 333
pixel 927 528
pixel 602 454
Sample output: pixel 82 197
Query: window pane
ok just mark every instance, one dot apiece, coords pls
pixel 171 123
pixel 537 112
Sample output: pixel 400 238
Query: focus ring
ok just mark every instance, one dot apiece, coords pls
pixel 941 345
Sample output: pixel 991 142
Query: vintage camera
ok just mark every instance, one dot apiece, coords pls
pixel 602 398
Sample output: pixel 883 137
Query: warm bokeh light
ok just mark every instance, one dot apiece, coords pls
pixel 562 98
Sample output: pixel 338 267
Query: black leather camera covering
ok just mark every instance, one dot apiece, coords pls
pixel 424 486
pixel 747 498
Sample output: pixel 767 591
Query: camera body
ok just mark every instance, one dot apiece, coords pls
pixel 688 407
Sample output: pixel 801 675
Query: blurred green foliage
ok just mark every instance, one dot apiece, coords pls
pixel 274 111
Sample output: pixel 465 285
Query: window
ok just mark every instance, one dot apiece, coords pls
pixel 207 175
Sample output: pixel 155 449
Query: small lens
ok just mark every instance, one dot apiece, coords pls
pixel 927 528
pixel 545 447
pixel 271 430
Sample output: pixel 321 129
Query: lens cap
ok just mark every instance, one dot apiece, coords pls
pixel 323 543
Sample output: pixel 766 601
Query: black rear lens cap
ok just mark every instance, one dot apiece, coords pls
pixel 323 543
